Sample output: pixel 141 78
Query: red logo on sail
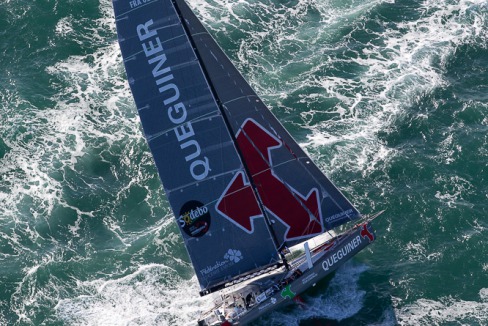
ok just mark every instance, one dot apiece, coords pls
pixel 365 233
pixel 299 213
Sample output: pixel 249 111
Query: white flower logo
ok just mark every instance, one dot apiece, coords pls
pixel 233 255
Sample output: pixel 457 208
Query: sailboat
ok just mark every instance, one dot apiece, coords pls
pixel 243 192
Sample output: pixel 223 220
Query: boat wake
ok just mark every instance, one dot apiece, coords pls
pixel 152 295
pixel 341 299
pixel 447 310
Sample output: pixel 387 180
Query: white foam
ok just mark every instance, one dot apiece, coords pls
pixel 56 137
pixel 342 299
pixel 152 295
pixel 64 26
pixel 484 294
pixel 454 189
pixel 408 65
pixel 91 105
pixel 443 311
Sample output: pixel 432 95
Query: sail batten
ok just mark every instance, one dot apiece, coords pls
pixel 224 175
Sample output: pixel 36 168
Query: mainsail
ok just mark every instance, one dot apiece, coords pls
pixel 240 187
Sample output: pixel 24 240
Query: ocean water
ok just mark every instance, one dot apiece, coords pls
pixel 390 98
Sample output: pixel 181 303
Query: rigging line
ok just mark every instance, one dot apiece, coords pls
pixel 184 23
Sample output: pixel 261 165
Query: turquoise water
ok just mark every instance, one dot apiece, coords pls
pixel 388 97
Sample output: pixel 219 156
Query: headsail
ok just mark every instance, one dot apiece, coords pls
pixel 294 192
pixel 239 185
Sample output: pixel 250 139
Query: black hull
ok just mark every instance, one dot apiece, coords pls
pixel 326 259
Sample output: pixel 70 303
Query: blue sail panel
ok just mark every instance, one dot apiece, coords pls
pixel 223 229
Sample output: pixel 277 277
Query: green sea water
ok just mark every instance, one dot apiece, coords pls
pixel 390 98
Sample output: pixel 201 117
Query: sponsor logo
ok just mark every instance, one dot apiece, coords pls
pixel 194 218
pixel 299 213
pixel 338 216
pixel 211 270
pixel 272 301
pixel 137 3
pixel 308 278
pixel 341 253
pixel 232 256
pixel 260 298
pixel 287 292
pixel 171 99
pixel 366 233
pixel 266 294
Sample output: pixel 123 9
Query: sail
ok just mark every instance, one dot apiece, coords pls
pixel 240 187
pixel 298 198
pixel 194 152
